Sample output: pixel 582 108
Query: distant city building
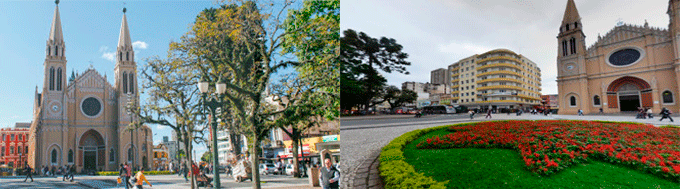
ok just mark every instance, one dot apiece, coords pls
pixel 498 79
pixel 551 101
pixel 161 157
pixel 630 67
pixel 14 145
pixel 439 76
pixel 421 91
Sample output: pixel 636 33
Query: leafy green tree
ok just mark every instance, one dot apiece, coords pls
pixel 172 100
pixel 363 56
pixel 244 43
pixel 312 96
pixel 207 156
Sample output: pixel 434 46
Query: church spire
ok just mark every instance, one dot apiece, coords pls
pixel 571 14
pixel 124 37
pixel 55 31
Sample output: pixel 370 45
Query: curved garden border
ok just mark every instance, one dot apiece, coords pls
pixel 397 173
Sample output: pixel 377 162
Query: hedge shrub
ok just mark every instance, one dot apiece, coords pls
pixel 396 173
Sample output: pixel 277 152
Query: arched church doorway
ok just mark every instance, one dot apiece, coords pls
pixel 629 94
pixel 91 147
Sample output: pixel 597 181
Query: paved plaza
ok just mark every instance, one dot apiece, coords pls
pixel 363 137
pixel 158 181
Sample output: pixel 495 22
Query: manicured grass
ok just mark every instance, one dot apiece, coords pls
pixel 504 168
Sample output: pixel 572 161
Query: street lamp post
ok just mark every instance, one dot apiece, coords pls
pixel 213 103
pixel 132 142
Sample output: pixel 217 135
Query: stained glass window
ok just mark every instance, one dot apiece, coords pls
pixel 91 106
pixel 624 57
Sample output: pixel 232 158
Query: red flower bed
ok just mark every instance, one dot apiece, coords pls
pixel 550 146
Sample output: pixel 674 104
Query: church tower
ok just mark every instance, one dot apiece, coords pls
pixel 54 82
pixel 125 72
pixel 54 66
pixel 572 76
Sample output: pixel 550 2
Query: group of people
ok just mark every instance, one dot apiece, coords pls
pixel 126 177
pixel 644 113
pixel 67 170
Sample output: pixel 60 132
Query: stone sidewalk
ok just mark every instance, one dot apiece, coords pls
pixel 367 175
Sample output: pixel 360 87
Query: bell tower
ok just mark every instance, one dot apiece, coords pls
pixel 572 73
pixel 125 71
pixel 54 68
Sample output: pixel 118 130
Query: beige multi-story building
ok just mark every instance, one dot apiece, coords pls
pixel 498 79
pixel 439 76
pixel 84 122
pixel 627 68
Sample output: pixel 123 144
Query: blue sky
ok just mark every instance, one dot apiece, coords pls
pixel 91 30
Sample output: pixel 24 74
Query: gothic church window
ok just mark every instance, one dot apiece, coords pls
pixel 54 156
pixel 127 56
pixel 132 83
pixel 49 50
pixel 112 155
pixel 125 83
pixel 120 56
pixel 667 97
pixel 56 51
pixel 572 101
pixel 70 156
pixel 564 47
pixel 596 100
pixel 59 79
pixel 572 43
pixel 52 78
pixel 129 154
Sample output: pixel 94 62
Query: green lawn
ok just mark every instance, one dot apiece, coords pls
pixel 504 168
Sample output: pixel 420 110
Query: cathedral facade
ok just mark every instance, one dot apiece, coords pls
pixel 83 121
pixel 628 68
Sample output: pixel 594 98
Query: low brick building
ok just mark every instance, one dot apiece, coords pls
pixel 14 145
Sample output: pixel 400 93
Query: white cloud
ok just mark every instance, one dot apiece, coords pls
pixel 109 56
pixel 106 54
pixel 161 127
pixel 139 45
pixel 436 34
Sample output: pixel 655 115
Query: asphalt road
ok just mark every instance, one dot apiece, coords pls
pixel 396 121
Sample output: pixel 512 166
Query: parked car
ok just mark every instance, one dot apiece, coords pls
pixel 289 169
pixel 268 168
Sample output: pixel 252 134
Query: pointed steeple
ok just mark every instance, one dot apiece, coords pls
pixel 124 37
pixel 571 14
pixel 55 31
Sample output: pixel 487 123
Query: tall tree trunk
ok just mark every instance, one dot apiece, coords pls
pixel 235 140
pixel 189 160
pixel 296 171
pixel 254 162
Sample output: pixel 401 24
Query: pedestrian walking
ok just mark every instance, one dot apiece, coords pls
pixel 488 114
pixel 650 114
pixel 601 111
pixel 66 173
pixel 29 172
pixel 71 172
pixel 666 113
pixel 329 176
pixel 580 112
pixel 141 179
pixel 472 114
pixel 128 175
pixel 124 175
pixel 185 171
